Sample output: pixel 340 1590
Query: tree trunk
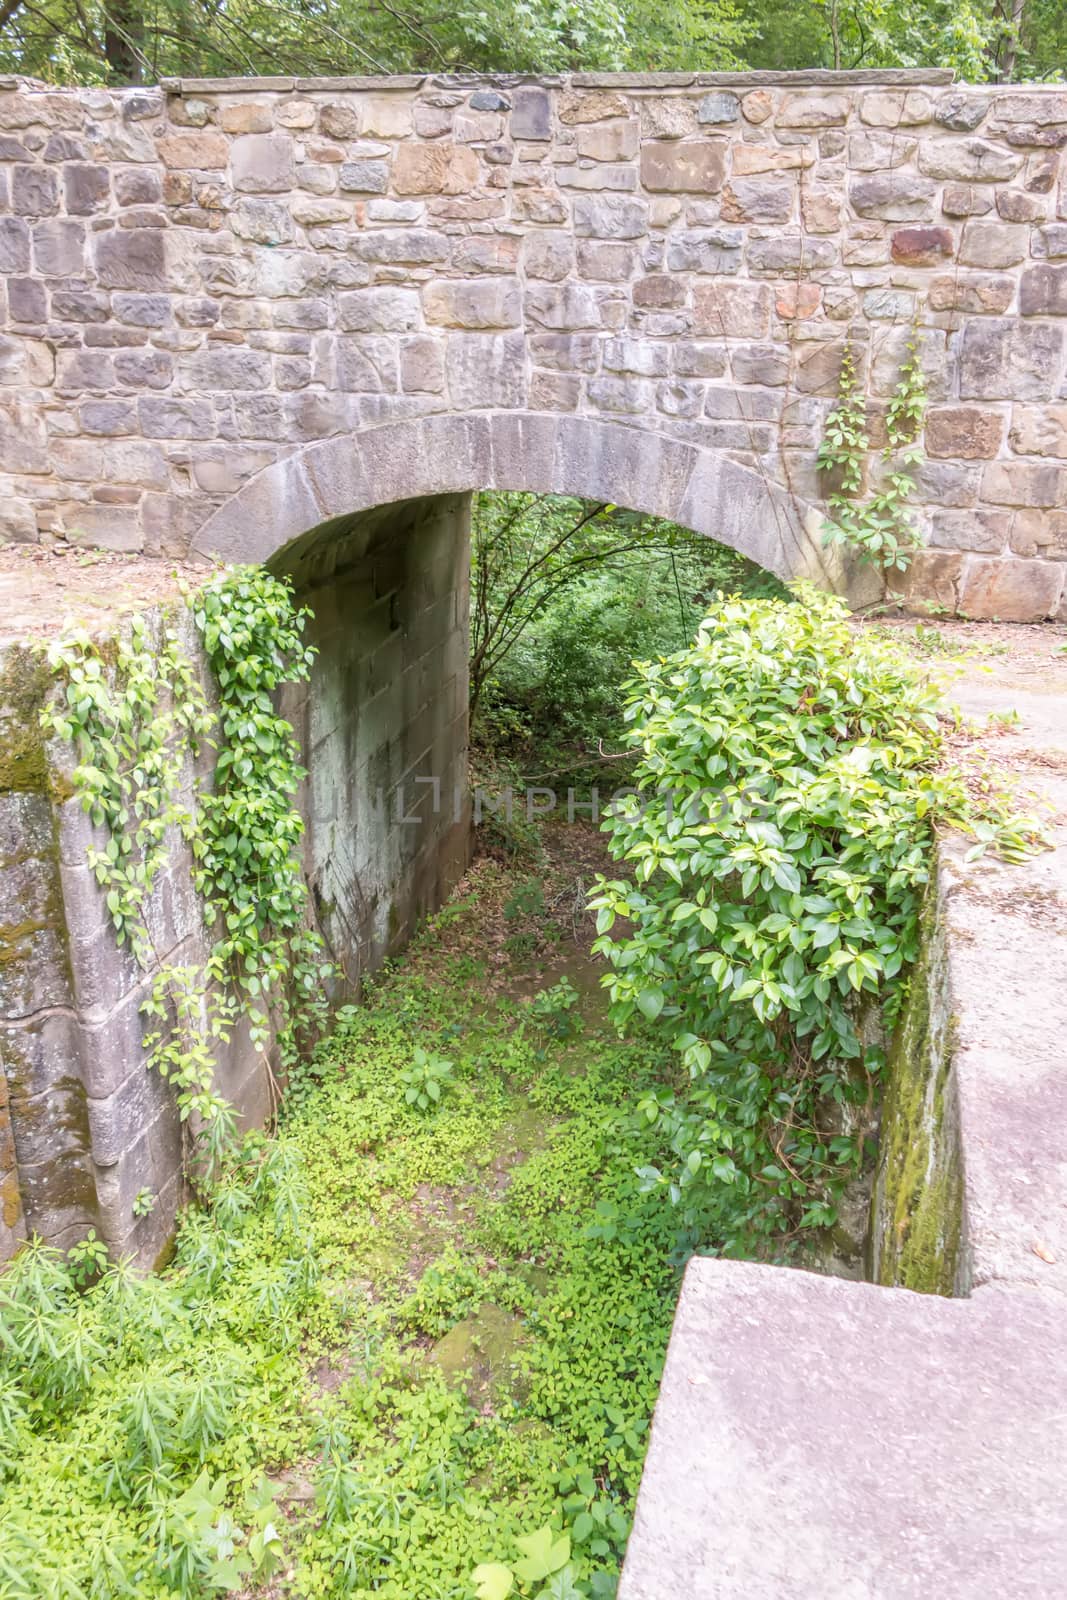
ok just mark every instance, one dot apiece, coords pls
pixel 124 40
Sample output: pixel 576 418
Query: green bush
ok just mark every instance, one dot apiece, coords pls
pixel 780 842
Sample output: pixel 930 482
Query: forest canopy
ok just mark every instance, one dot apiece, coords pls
pixel 139 41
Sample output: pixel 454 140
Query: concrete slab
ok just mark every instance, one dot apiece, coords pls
pixel 823 1440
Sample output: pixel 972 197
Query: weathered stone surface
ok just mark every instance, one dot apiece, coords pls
pixel 705 250
pixel 609 216
pixel 1025 483
pixel 1043 292
pixel 434 169
pixel 969 159
pixel 1039 431
pixel 922 247
pixel 133 259
pixel 609 141
pixel 719 107
pixel 962 111
pixel 893 198
pixel 1006 360
pixel 978 294
pixel 685 166
pixel 964 432
pixel 759 1438
pixel 993 245
pixel 812 111
pixel 486 371
pixel 1010 591
pixel 383 310
pixel 758 200
pixel 474 304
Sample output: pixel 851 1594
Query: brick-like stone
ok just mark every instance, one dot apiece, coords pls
pixel 435 169
pixel 134 259
pixel 34 191
pixel 964 432
pixel 964 200
pixel 993 245
pixel 486 370
pixel 1010 591
pixel 893 197
pixel 813 111
pixel 973 160
pixel 609 141
pixel 976 293
pixel 1025 483
pixel 207 151
pixel 684 166
pixel 59 248
pixel 609 216
pixel 1043 292
pixel 718 108
pixel 531 114
pixel 895 108
pixel 378 310
pixel 732 310
pixel 705 250
pixel 452 302
pixel 1039 431
pixel 1005 360
pixel 262 163
pixel 922 247
pixel 757 200
pixel 86 188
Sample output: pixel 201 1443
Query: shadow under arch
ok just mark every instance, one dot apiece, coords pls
pixel 541 453
pixel 373 531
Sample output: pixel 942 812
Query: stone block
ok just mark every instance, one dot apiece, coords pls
pixel 609 216
pixel 548 255
pixel 964 200
pixel 1024 483
pixel 14 245
pixel 964 432
pixel 749 160
pixel 203 151
pixel 169 417
pixel 972 160
pixel 364 177
pixel 435 169
pixel 736 310
pixel 879 152
pixel 789 253
pixel 486 371
pixel 367 364
pixel 262 163
pixel 565 352
pixel 1050 243
pixel 992 245
pixel 977 294
pixel 895 108
pixel 263 222
pixel 820 210
pixel 1001 359
pixel 922 247
pixel 962 111
pixel 893 197
pixel 422 365
pixel 378 310
pixel 542 206
pixel 531 114
pixel 247 116
pixel 609 141
pixel 1016 206
pixel 757 106
pixel 34 191
pixel 455 303
pixel 133 259
pixel 86 188
pixel 756 200
pixel 684 166
pixel 606 260
pixel 1041 533
pixel 718 107
pixel 1010 591
pixel 226 369
pixel 705 250
pixel 563 306
pixel 813 111
pixel 1043 292
pixel 1039 431
pixel 59 248
pixel 976 530
pixel 392 247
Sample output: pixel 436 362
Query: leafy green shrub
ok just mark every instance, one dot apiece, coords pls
pixel 554 1009
pixel 426 1080
pixel 780 843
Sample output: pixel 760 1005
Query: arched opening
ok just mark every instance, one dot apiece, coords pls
pixel 374 533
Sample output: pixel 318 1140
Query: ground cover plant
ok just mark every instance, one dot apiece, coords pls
pixel 409 1334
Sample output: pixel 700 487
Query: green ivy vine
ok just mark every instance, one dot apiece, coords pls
pixel 880 529
pixel 138 718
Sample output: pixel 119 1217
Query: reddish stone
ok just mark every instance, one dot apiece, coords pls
pixel 922 247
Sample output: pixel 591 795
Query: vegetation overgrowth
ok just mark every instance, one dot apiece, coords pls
pixel 407 1335
pixel 131 41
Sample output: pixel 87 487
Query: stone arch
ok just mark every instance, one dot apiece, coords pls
pixel 542 453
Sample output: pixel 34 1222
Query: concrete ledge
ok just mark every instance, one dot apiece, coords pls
pixel 823 1440
pixel 814 77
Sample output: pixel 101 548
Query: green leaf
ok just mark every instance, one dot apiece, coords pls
pixel 493 1581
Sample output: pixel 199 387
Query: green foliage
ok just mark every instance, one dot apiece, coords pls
pixel 565 594
pixel 554 1009
pixel 137 717
pixel 789 788
pixel 880 530
pixel 426 1080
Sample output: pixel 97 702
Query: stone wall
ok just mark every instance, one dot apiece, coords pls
pixel 205 280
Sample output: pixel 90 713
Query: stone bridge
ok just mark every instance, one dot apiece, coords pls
pixel 236 310
pixel 301 321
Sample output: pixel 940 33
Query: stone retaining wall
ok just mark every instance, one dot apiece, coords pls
pixel 204 279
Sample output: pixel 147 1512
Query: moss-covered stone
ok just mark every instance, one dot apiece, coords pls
pixel 25 684
pixel 480 1355
pixel 917 1205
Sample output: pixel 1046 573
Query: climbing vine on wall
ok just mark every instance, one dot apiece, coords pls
pixel 137 716
pixel 880 529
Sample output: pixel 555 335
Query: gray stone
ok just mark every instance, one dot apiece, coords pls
pixel 383 310
pixel 992 245
pixel 963 111
pixel 719 107
pixel 610 217
pixel 226 368
pixel 86 188
pixel 263 222
pixel 892 197
pixel 262 163
pixel 685 166
pixel 364 177
pixel 34 191
pixel 705 250
pixel 132 259
pixel 14 245
pixel 486 370
pixel 1043 292
pixel 59 248
pixel 531 114
pixel 495 303
pixel 974 160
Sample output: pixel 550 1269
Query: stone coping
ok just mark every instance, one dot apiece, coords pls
pixel 810 78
